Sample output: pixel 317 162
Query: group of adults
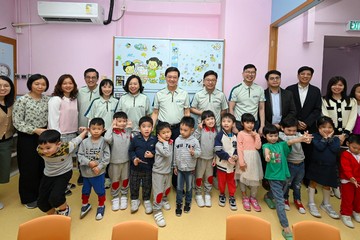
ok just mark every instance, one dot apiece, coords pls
pixel 29 114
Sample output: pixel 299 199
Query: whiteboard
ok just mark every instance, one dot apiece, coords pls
pixel 150 57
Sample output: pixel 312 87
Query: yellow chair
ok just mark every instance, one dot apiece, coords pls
pixel 54 227
pixel 134 230
pixel 308 230
pixel 245 227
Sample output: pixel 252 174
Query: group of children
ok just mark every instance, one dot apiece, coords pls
pixel 147 161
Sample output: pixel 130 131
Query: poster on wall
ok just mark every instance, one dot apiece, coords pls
pixel 7 58
pixel 150 57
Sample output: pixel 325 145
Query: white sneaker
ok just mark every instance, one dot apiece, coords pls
pixel 329 210
pixel 166 205
pixel 207 200
pixel 200 200
pixel 337 193
pixel 159 219
pixel 347 221
pixel 115 204
pixel 135 205
pixel 314 210
pixel 1 205
pixel 123 203
pixel 356 216
pixel 148 207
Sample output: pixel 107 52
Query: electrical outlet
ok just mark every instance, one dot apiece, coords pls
pixel 18 30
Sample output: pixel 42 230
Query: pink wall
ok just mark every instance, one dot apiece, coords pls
pixel 7 16
pixel 58 48
pixel 330 19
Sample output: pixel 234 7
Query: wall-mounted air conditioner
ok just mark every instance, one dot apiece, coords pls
pixel 71 12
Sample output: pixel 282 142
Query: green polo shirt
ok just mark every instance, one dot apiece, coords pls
pixel 100 108
pixel 247 99
pixel 215 102
pixel 171 105
pixel 135 106
pixel 84 99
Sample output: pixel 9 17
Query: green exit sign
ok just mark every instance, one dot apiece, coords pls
pixel 353 25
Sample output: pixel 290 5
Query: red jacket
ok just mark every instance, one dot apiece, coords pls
pixel 349 167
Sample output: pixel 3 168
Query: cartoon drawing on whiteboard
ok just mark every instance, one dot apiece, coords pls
pixel 162 79
pixel 212 58
pixel 142 72
pixel 202 67
pixel 153 48
pixel 129 67
pixel 140 47
pixel 128 45
pixel 153 64
pixel 144 54
pixel 216 46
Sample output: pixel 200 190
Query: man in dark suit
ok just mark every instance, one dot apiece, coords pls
pixel 279 102
pixel 308 102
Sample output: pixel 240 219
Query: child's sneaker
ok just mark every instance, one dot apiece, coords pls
pixel 84 210
pixel 135 205
pixel 71 186
pixel 68 192
pixel 100 213
pixel 200 200
pixel 65 212
pixel 178 210
pixel 207 200
pixel 347 221
pixel 337 192
pixel 159 219
pixel 287 204
pixel 255 204
pixel 187 207
pixel 232 203
pixel 246 204
pixel 287 236
pixel 269 201
pixel 166 205
pixel 329 210
pixel 356 216
pixel 148 207
pixel 314 210
pixel 115 204
pixel 222 200
pixel 123 203
pixel 299 206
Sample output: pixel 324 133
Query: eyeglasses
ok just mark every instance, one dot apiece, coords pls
pixel 274 78
pixel 210 80
pixel 92 78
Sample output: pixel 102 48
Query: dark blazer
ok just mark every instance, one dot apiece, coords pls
pixel 311 110
pixel 287 106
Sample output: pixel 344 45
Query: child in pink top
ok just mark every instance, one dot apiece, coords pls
pixel 249 170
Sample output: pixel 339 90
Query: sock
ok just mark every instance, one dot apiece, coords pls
pixel 311 195
pixel 101 200
pixel 326 196
pixel 85 199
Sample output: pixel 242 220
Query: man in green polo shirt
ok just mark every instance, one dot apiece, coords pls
pixel 210 98
pixel 248 97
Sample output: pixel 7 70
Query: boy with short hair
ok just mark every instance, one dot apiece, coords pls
pixel 226 152
pixel 277 171
pixel 295 161
pixel 57 156
pixel 94 156
pixel 141 153
pixel 161 172
pixel 350 181
pixel 187 150
pixel 118 136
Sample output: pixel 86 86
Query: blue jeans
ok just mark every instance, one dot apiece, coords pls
pixel 187 177
pixel 97 183
pixel 297 172
pixel 277 189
